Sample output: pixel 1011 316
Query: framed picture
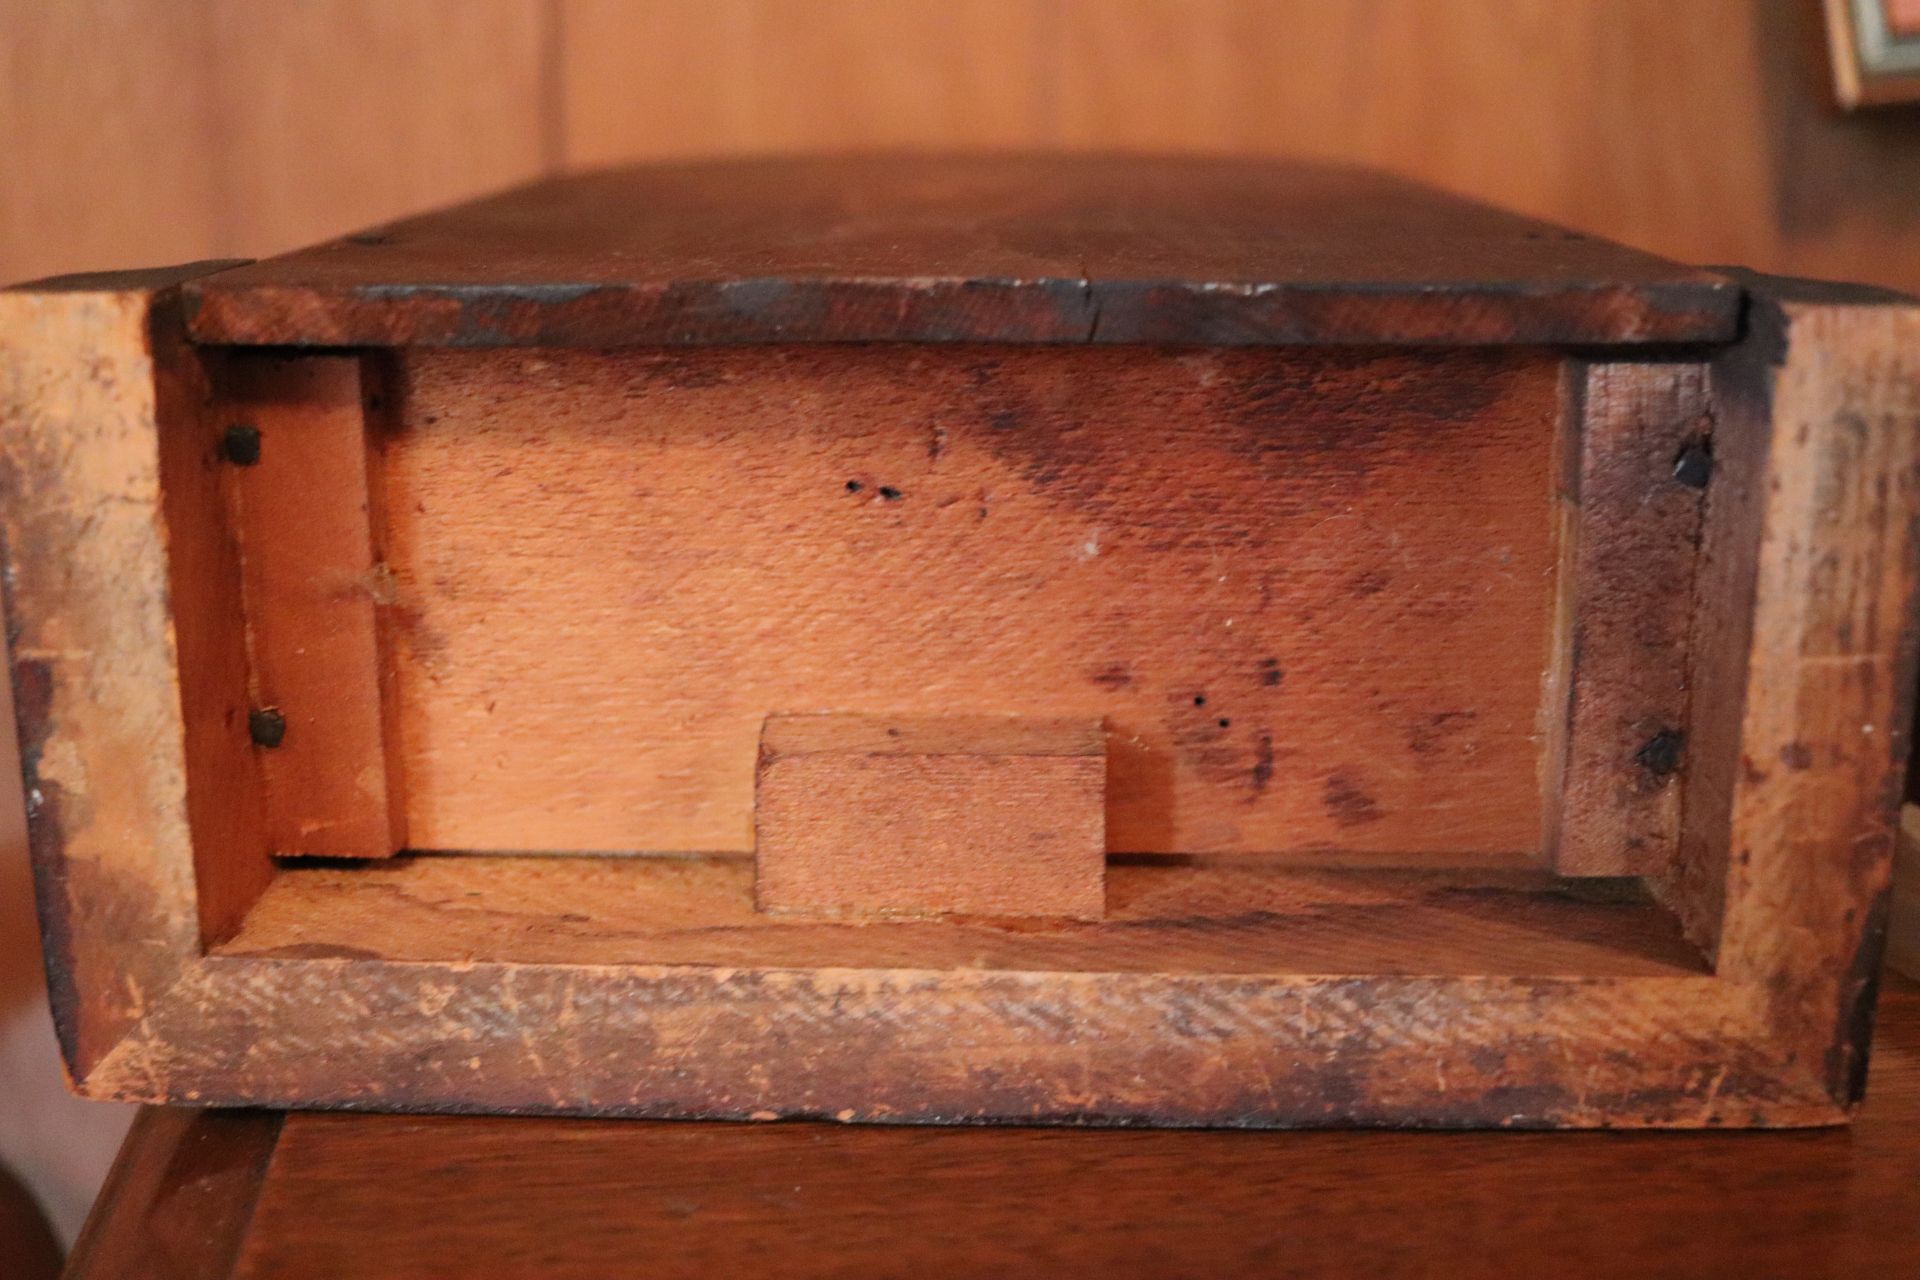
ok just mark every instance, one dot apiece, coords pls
pixel 1876 50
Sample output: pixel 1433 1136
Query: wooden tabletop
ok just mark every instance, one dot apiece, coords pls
pixel 209 1195
pixel 999 249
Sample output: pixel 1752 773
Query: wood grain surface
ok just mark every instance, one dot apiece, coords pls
pixel 1829 673
pixel 306 519
pixel 1310 591
pixel 180 1197
pixel 1636 490
pixel 403 1198
pixel 1077 249
pixel 1195 916
pixel 110 719
pixel 876 815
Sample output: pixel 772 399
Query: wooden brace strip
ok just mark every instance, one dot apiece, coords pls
pixel 1636 472
pixel 297 449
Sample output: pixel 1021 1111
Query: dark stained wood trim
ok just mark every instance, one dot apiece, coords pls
pixel 1046 249
pixel 180 1196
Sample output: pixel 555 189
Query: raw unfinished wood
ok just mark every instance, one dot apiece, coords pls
pixel 106 608
pixel 308 528
pixel 1309 591
pixel 1644 445
pixel 873 815
pixel 1056 249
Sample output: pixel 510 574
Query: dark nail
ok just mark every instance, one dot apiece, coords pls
pixel 1660 755
pixel 1694 466
pixel 240 445
pixel 266 726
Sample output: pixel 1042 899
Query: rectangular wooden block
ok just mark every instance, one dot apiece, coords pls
pixel 982 815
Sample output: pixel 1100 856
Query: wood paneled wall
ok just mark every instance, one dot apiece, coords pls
pixel 135 131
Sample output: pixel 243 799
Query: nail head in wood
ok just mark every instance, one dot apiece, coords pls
pixel 240 444
pixel 1662 753
pixel 1694 465
pixel 267 727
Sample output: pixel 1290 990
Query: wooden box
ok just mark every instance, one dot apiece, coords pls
pixel 1213 644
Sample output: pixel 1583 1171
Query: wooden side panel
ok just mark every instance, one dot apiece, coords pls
pixel 90 380
pixel 1643 462
pixel 879 816
pixel 314 589
pixel 1310 591
pixel 1828 680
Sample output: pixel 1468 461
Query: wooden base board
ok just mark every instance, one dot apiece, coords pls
pixel 1195 916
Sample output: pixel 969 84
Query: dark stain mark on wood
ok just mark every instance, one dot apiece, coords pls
pixel 1796 756
pixel 1429 735
pixel 1349 805
pixel 1262 764
pixel 1113 676
pixel 1371 583
pixel 1271 673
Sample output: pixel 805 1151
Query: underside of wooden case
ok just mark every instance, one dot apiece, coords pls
pixel 1294 729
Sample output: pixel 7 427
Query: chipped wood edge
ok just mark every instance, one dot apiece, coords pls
pixel 93 653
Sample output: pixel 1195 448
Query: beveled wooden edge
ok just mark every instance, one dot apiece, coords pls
pixel 1045 311
pixel 1066 248
pixel 177 1203
pixel 1822 395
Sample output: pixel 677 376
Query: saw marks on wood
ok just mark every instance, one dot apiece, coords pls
pixel 1308 590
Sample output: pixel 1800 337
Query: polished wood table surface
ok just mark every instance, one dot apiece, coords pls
pixel 219 1194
